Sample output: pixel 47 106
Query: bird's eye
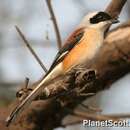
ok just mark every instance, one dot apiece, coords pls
pixel 100 17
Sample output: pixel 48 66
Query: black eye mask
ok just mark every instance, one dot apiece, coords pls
pixel 101 16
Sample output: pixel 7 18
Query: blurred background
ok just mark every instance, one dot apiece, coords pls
pixel 16 62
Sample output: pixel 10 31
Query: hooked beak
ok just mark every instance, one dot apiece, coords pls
pixel 114 21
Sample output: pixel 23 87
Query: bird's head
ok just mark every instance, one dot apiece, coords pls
pixel 98 20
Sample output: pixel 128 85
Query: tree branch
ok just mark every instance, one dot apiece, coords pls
pixel 110 66
pixel 115 7
pixel 53 18
pixel 30 48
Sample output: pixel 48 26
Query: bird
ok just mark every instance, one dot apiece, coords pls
pixel 81 47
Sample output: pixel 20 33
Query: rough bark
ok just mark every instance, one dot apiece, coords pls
pixel 111 64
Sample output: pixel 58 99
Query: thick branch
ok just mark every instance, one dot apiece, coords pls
pixel 110 65
pixel 115 7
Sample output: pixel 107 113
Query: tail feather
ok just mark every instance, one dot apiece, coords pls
pixel 24 103
pixel 54 73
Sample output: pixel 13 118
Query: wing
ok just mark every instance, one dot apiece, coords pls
pixel 73 40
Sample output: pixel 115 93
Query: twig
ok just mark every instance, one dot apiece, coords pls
pixel 30 48
pixel 26 82
pixel 53 18
pixel 24 91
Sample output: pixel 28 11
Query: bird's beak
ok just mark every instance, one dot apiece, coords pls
pixel 114 21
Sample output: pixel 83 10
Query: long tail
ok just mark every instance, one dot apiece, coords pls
pixel 25 102
pixel 55 72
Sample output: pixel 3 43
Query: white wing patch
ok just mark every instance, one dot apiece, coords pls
pixel 62 55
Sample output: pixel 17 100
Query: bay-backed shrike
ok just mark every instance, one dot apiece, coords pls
pixel 81 47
